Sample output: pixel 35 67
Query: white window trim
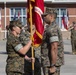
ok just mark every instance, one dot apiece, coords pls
pixel 59 16
pixel 21 15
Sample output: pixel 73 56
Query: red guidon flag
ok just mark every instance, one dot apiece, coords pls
pixel 37 7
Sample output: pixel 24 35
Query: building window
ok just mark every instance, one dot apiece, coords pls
pixel 60 12
pixel 18 12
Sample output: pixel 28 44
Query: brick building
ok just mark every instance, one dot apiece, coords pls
pixel 8 8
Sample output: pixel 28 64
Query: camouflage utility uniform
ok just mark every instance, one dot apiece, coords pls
pixel 15 61
pixel 73 40
pixel 24 38
pixel 52 34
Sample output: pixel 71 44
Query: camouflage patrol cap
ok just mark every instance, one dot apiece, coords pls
pixel 16 23
pixel 19 23
pixel 50 11
pixel 12 23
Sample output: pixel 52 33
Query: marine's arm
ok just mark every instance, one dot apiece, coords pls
pixel 54 51
pixel 25 49
pixel 54 40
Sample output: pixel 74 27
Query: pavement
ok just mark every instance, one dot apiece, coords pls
pixel 3 57
pixel 69 68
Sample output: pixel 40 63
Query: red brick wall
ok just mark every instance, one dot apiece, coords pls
pixel 71 9
pixel 72 12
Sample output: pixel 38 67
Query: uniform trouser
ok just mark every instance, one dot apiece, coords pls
pixel 46 71
pixel 73 42
pixel 28 68
pixel 14 73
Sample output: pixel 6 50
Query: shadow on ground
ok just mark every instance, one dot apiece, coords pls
pixel 65 52
pixel 3 52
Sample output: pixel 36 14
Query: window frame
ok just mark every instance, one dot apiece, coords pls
pixel 59 15
pixel 21 15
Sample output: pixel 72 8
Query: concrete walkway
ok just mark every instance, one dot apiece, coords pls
pixel 3 57
pixel 70 60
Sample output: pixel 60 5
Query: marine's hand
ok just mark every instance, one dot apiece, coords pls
pixel 52 69
pixel 32 59
pixel 29 59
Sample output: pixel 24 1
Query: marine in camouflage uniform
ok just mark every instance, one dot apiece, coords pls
pixel 24 38
pixel 73 38
pixel 15 50
pixel 52 34
pixel 15 61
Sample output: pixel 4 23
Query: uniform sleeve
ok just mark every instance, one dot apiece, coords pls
pixel 53 35
pixel 24 38
pixel 16 44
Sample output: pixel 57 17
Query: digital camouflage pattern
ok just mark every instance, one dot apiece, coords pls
pixel 15 61
pixel 50 11
pixel 13 73
pixel 18 23
pixel 38 52
pixel 52 30
pixel 24 38
pixel 73 40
